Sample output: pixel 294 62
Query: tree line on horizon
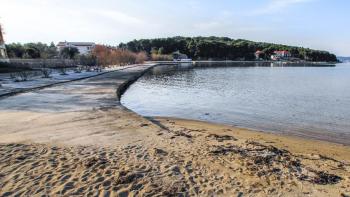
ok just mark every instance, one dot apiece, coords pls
pixel 31 50
pixel 197 48
pixel 221 48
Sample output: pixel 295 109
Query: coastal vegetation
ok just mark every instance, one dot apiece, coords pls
pixel 221 48
pixel 101 55
pixel 112 56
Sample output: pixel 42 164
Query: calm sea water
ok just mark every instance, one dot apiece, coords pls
pixel 312 102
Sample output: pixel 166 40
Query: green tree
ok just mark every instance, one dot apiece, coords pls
pixel 52 51
pixel 69 52
pixel 32 52
pixel 88 60
pixel 15 50
pixel 161 51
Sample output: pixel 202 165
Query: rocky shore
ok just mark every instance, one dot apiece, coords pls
pixel 76 139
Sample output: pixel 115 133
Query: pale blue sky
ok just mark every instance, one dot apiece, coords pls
pixel 319 24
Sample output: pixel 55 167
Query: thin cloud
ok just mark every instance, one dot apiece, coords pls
pixel 118 17
pixel 274 6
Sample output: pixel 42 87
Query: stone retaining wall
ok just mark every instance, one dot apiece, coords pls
pixel 39 63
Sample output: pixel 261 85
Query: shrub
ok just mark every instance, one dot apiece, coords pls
pixel 46 72
pixel 87 60
pixel 63 71
pixel 20 76
pixel 78 69
pixel 159 57
pixel 141 57
pixel 107 56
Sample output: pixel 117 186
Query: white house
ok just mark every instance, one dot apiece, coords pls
pixel 281 55
pixel 83 47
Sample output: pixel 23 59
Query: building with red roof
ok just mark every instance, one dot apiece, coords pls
pixel 278 55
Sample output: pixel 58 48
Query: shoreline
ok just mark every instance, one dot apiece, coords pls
pixel 270 132
pixel 326 64
pixel 81 141
pixel 345 142
pixel 282 138
pixel 318 135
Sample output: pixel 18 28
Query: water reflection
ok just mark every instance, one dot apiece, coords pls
pixel 306 101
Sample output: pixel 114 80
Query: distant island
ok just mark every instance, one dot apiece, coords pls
pixel 223 48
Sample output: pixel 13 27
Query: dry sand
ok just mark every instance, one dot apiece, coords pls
pixel 82 142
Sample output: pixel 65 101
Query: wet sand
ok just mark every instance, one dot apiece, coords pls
pixel 76 139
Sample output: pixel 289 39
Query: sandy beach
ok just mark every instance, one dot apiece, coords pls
pixel 76 139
